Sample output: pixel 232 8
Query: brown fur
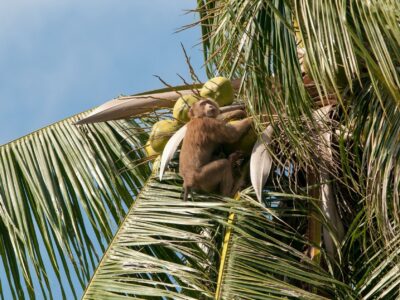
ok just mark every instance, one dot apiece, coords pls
pixel 205 132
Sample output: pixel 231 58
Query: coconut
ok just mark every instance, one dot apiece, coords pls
pixel 245 143
pixel 182 106
pixel 149 149
pixel 219 89
pixel 161 132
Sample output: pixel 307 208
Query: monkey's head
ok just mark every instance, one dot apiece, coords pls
pixel 204 108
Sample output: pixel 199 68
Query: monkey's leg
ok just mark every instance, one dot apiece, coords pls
pixel 218 172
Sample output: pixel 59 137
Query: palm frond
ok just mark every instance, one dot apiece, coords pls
pixel 376 174
pixel 61 198
pixel 170 248
pixel 266 257
pixel 371 265
pixel 135 105
pixel 164 248
pixel 347 40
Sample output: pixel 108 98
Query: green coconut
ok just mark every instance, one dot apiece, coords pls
pixel 161 132
pixel 219 89
pixel 182 106
pixel 149 149
pixel 246 142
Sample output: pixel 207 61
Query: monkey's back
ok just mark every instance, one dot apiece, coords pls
pixel 198 145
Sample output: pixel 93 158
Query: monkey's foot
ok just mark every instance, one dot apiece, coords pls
pixel 236 159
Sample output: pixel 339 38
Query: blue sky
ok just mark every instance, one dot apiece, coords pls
pixel 61 57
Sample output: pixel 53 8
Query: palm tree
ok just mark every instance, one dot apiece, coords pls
pixel 323 77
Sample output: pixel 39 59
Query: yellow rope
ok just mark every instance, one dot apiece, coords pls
pixel 225 244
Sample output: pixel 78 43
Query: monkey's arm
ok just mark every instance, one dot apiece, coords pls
pixel 232 115
pixel 231 133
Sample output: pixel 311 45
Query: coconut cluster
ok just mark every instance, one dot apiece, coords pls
pixel 218 89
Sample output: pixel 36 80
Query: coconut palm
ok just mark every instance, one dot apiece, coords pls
pixel 322 79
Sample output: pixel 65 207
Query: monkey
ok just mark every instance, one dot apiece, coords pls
pixel 205 132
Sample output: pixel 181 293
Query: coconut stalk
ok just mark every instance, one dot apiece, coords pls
pixel 129 106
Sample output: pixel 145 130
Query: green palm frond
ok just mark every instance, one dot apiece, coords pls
pixel 347 40
pixel 377 128
pixel 264 263
pixel 61 199
pixel 371 265
pixel 166 247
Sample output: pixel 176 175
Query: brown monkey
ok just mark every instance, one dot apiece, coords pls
pixel 205 132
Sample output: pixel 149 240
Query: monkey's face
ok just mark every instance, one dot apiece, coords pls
pixel 204 108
